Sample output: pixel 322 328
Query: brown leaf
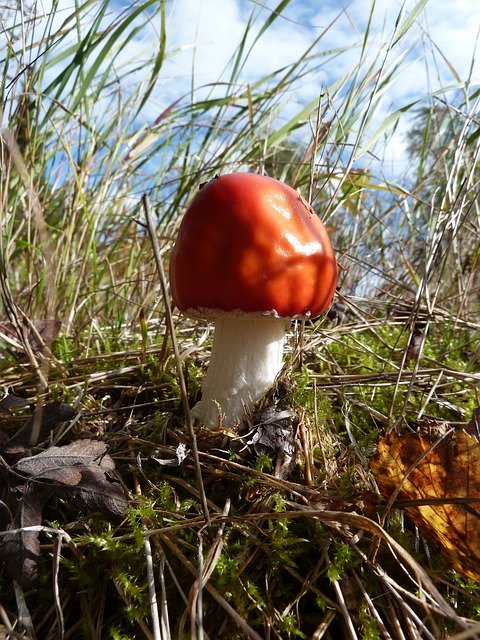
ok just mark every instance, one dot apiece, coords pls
pixel 437 480
pixel 9 402
pixel 80 452
pixel 99 492
pixel 21 551
pixel 473 427
pixel 47 330
pixel 415 342
pixel 273 431
pixel 80 471
pixel 50 415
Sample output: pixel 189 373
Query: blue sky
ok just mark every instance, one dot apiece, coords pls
pixel 204 35
pixel 437 53
pixel 212 28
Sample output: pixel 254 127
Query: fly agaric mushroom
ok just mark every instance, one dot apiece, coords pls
pixel 251 255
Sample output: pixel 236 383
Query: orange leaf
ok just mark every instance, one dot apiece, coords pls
pixel 442 474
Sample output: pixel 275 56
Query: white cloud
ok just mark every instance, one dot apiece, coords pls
pixel 203 37
pixel 439 46
pixel 210 34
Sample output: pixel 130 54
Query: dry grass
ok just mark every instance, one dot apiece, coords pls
pixel 243 538
pixel 290 546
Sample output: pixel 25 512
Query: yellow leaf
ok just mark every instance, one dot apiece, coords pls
pixel 440 476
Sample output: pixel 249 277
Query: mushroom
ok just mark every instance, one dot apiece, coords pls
pixel 251 255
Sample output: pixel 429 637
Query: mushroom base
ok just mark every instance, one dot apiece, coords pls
pixel 247 355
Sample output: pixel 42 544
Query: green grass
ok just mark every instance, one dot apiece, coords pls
pixel 288 554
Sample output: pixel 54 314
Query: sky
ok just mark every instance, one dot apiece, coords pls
pixel 204 35
pixel 214 27
pixel 438 51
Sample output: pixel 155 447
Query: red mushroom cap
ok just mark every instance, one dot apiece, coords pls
pixel 251 244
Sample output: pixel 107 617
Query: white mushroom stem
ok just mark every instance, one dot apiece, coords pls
pixel 246 357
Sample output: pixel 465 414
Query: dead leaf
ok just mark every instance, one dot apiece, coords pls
pixel 273 431
pixel 9 403
pixel 80 469
pixel 437 481
pixel 415 343
pixel 473 427
pixel 21 551
pixel 52 414
pixel 81 472
pixel 273 434
pixel 80 452
pixel 38 333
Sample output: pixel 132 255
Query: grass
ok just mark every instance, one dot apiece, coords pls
pixel 294 548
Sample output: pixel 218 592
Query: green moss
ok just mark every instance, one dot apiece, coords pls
pixel 286 542
pixel 368 624
pixel 301 393
pixel 343 559
pixel 116 634
pixel 264 463
pixel 289 626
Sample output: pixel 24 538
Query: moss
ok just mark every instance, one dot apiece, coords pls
pixel 343 559
pixel 264 463
pixel 368 624
pixel 289 624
